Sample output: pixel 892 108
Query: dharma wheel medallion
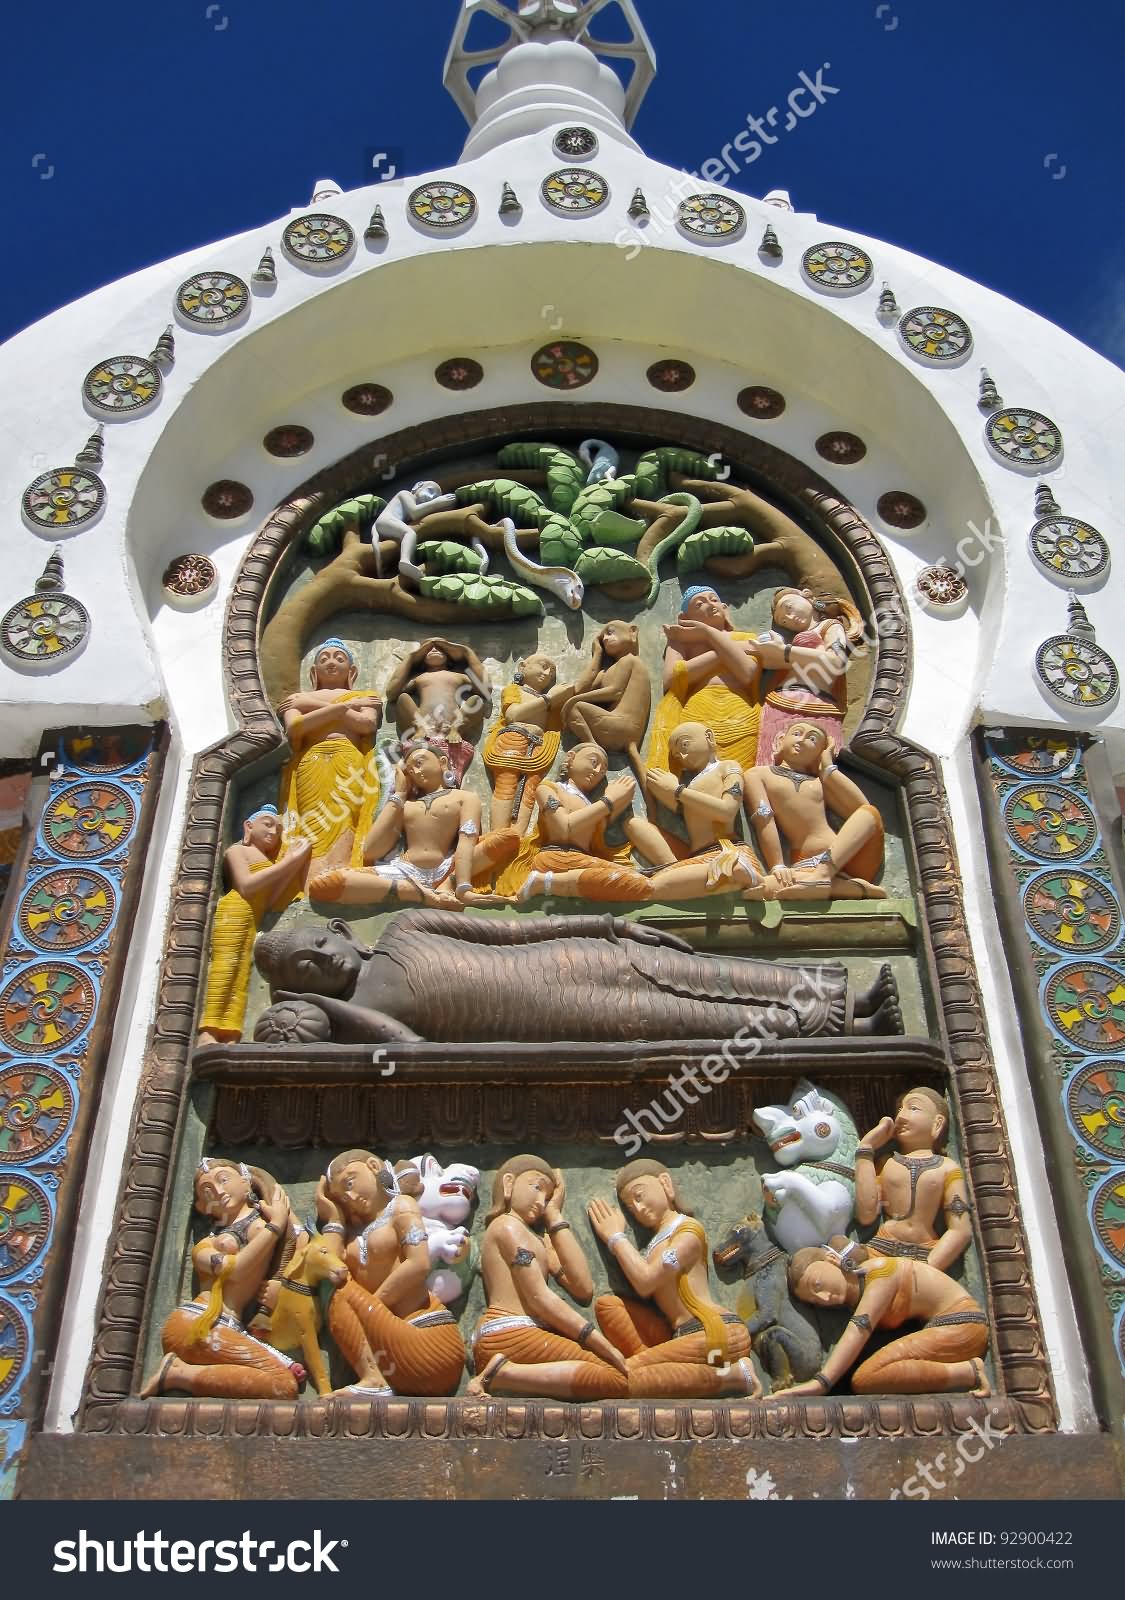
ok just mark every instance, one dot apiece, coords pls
pixel 212 299
pixel 1095 1098
pixel 1109 1216
pixel 576 189
pixel 1072 911
pixel 442 205
pixel 712 218
pixel 1050 823
pixel 122 387
pixel 1077 671
pixel 837 268
pixel 36 1104
pixel 45 1008
pixel 45 628
pixel 67 909
pixel 13 1346
pixel 1086 1003
pixel 576 144
pixel 1039 756
pixel 25 1222
pixel 89 820
pixel 317 240
pixel 62 501
pixel 1070 551
pixel 1024 438
pixel 935 335
pixel 565 365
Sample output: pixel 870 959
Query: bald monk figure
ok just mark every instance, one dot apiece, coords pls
pixel 445 977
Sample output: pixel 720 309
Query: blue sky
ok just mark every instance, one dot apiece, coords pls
pixel 983 136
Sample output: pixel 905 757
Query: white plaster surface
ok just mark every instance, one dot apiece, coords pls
pixel 496 291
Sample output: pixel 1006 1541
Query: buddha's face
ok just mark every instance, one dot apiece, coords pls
pixel 424 771
pixel 822 1284
pixel 358 1191
pixel 708 608
pixel 264 833
pixel 538 672
pixel 587 767
pixel 691 747
pixel 917 1124
pixel 222 1192
pixel 324 963
pixel 793 610
pixel 333 668
pixel 531 1193
pixel 647 1199
pixel 802 745
pixel 619 639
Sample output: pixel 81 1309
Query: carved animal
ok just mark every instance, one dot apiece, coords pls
pixel 295 1315
pixel 445 1198
pixel 451 978
pixel 562 582
pixel 814 1139
pixel 783 1335
pixel 613 696
pixel 394 522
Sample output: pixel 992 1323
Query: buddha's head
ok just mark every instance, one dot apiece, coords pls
pixel 702 604
pixel 921 1121
pixel 310 958
pixel 263 830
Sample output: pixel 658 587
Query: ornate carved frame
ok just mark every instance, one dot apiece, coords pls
pixel 1025 1403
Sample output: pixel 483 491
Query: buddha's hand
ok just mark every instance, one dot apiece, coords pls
pixel 599 1345
pixel 605 1219
pixel 882 1133
pixel 642 933
pixel 275 1210
pixel 326 1208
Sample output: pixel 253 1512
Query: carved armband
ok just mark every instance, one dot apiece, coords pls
pixel 554 803
pixel 332 1227
pixel 958 1206
pixel 862 1321
pixel 470 829
pixel 670 1258
pixel 522 1258
pixel 615 1238
pixel 764 810
pixel 414 1235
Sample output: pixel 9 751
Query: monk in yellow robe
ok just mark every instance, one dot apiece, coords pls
pixel 264 876
pixel 712 674
pixel 330 790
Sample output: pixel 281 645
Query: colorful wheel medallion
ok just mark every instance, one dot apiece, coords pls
pixel 36 1105
pixel 712 217
pixel 89 820
pixel 565 365
pixel 576 189
pixel 107 752
pixel 212 299
pixel 46 1008
pixel 63 500
pixel 1068 550
pixel 1050 823
pixel 1077 672
pixel 1072 911
pixel 442 205
pixel 576 144
pixel 935 335
pixel 1086 1003
pixel 317 240
pixel 13 1347
pixel 1108 1209
pixel 1039 756
pixel 838 268
pixel 43 629
pixel 1024 438
pixel 1095 1098
pixel 25 1223
pixel 122 387
pixel 67 909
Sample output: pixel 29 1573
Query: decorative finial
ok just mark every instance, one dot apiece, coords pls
pixel 1077 621
pixel 326 189
pixel 770 245
pixel 164 354
pixel 638 207
pixel 51 579
pixel 90 454
pixel 265 272
pixel 989 395
pixel 888 305
pixel 376 229
pixel 509 202
pixel 1045 503
pixel 780 199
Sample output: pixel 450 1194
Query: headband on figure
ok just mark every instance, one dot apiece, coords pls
pixel 262 811
pixel 334 644
pixel 693 593
pixel 240 1166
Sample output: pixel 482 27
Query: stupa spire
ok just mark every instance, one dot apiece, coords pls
pixel 550 66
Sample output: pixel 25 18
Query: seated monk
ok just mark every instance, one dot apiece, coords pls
pixel 209 1352
pixel 712 674
pixel 263 876
pixel 908 1189
pixel 529 1341
pixel 330 790
pixel 437 828
pixel 583 841
pixel 702 798
pixel 790 800
pixel 684 1346
pixel 397 1337
pixel 612 698
pixel 945 1354
pixel 524 743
